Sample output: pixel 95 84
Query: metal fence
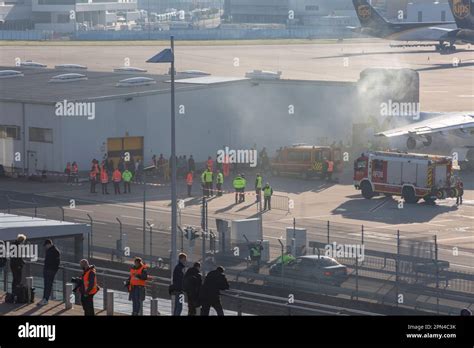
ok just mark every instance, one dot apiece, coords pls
pixel 393 264
pixel 26 35
pixel 110 282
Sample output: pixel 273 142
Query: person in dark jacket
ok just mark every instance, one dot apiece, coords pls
pixel 177 284
pixel 17 263
pixel 192 285
pixel 210 291
pixel 51 265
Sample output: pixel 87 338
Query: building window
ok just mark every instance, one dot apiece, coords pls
pixel 41 135
pixel 10 132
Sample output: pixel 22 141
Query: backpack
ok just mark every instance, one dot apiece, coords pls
pixel 20 294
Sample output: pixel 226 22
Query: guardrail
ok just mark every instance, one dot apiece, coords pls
pixel 107 276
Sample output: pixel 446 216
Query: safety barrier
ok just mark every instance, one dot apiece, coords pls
pixel 106 276
pixel 26 35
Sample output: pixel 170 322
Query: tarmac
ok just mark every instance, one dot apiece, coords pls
pixel 445 85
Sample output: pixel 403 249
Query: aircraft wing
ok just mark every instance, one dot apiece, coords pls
pixel 438 124
pixel 442 29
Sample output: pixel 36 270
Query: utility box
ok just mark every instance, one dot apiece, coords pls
pixel 223 233
pixel 248 227
pixel 300 241
pixel 266 251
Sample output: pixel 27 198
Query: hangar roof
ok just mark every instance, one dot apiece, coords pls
pixel 34 86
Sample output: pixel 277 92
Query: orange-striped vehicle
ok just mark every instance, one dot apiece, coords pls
pixel 412 176
pixel 306 161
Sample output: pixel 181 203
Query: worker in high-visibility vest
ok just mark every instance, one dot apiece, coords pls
pixel 256 255
pixel 258 187
pixel 267 196
pixel 210 164
pixel 136 285
pixel 88 287
pixel 117 178
pixel 68 172
pixel 206 179
pixel 93 180
pixel 104 180
pixel 189 182
pixel 226 166
pixel 219 182
pixel 75 172
pixel 459 191
pixel 330 169
pixel 127 179
pixel 239 184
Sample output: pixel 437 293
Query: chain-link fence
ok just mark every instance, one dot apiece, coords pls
pixel 391 264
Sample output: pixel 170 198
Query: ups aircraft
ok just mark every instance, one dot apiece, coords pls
pixel 439 33
pixel 463 12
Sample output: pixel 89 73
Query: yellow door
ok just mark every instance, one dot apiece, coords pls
pixel 117 147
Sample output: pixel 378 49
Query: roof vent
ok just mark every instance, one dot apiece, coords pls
pixel 7 74
pixel 263 75
pixel 129 69
pixel 31 64
pixel 70 67
pixel 195 73
pixel 136 81
pixel 68 78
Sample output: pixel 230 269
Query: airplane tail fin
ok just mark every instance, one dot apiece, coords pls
pixel 463 12
pixel 368 16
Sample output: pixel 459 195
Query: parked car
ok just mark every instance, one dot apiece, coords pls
pixel 313 268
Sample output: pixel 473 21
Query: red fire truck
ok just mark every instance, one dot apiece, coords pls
pixel 412 176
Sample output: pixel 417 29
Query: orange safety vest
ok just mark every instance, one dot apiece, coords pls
pixel 92 175
pixel 85 279
pixel 134 272
pixel 104 177
pixel 226 166
pixel 330 166
pixel 189 179
pixel 68 168
pixel 117 177
pixel 75 169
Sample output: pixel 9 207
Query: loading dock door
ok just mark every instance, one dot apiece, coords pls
pixel 117 147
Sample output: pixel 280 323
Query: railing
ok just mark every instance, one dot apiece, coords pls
pixel 380 263
pixel 109 280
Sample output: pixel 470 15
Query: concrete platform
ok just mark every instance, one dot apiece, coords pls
pixel 53 308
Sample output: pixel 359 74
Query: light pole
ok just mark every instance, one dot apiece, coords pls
pixel 167 56
pixel 145 170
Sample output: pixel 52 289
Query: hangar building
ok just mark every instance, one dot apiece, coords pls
pixel 212 112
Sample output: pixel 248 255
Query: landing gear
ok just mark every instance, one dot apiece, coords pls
pixel 445 49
